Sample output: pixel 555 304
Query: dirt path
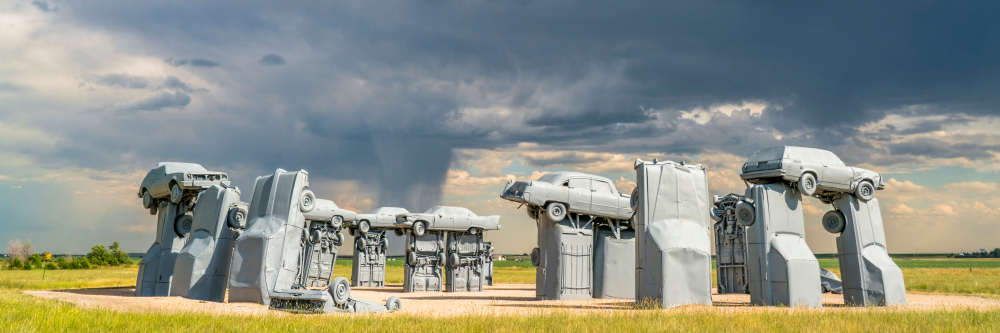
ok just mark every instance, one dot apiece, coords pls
pixel 498 299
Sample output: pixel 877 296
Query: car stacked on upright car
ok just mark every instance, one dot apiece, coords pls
pixel 559 193
pixel 382 217
pixel 175 181
pixel 815 172
pixel 447 218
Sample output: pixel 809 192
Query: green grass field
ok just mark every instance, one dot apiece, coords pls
pixel 20 312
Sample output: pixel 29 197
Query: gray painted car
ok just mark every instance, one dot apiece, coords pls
pixel 382 217
pixel 560 192
pixel 447 218
pixel 174 181
pixel 816 172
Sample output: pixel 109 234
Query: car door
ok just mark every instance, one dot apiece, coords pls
pixel 604 199
pixel 579 194
pixel 836 176
pixel 463 219
pixel 445 219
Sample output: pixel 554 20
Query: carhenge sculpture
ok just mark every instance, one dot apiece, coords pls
pixel 169 192
pixel 673 246
pixel 445 249
pixel 568 207
pixel 289 249
pixel 371 243
pixel 202 268
pixel 730 247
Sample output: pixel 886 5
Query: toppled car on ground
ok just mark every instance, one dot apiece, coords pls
pixel 815 172
pixel 447 218
pixel 173 180
pixel 382 217
pixel 559 193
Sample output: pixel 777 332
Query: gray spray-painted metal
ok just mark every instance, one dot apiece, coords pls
pixel 425 260
pixel 202 268
pixel 156 268
pixel 168 191
pixel 449 218
pixel 290 243
pixel 580 193
pixel 830 282
pixel 673 245
pixel 369 259
pixel 466 265
pixel 564 257
pixel 730 247
pixel 614 262
pixel 830 175
pixel 489 263
pixel 870 276
pixel 783 270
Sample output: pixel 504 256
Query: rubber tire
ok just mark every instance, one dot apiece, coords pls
pixel 152 210
pixel 715 214
pixel 533 212
pixel 745 214
pixel 455 260
pixel 834 222
pixel 237 218
pixel 340 290
pixel 633 201
pixel 556 211
pixel 535 257
pixel 183 224
pixel 399 232
pixel 411 258
pixel 442 259
pixel 865 191
pixel 176 193
pixel 337 222
pixel 419 228
pixel 384 243
pixel 307 201
pixel 364 226
pixel 473 231
pixel 361 243
pixel 393 304
pixel 807 184
pixel 147 200
pixel 339 240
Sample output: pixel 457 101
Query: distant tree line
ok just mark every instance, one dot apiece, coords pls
pixel 981 254
pixel 23 256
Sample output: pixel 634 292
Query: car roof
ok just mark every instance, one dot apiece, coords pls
pixel 175 167
pixel 795 153
pixel 557 178
pixel 390 209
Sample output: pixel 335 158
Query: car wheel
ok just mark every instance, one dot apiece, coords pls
pixel 411 258
pixel 419 228
pixel 865 191
pixel 532 212
pixel 237 218
pixel 339 240
pixel 535 260
pixel 152 210
pixel 473 231
pixel 364 226
pixel 399 232
pixel 455 260
pixel 147 200
pixel 337 222
pixel 340 290
pixel 745 214
pixel 442 259
pixel 715 214
pixel 176 194
pixel 393 304
pixel 307 201
pixel 556 211
pixel 384 243
pixel 633 201
pixel 834 221
pixel 807 184
pixel 361 243
pixel 183 225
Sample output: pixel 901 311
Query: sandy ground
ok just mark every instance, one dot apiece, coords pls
pixel 498 299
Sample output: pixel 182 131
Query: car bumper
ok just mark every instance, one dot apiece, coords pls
pixel 202 183
pixel 763 174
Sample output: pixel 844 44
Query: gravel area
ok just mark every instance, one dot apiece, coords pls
pixel 495 300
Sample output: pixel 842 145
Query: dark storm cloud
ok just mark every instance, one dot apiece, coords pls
pixel 272 60
pixel 44 6
pixel 374 84
pixel 121 81
pixel 935 148
pixel 158 102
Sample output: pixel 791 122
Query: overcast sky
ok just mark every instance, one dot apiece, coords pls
pixel 415 104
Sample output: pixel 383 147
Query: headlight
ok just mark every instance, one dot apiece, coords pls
pixel 744 167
